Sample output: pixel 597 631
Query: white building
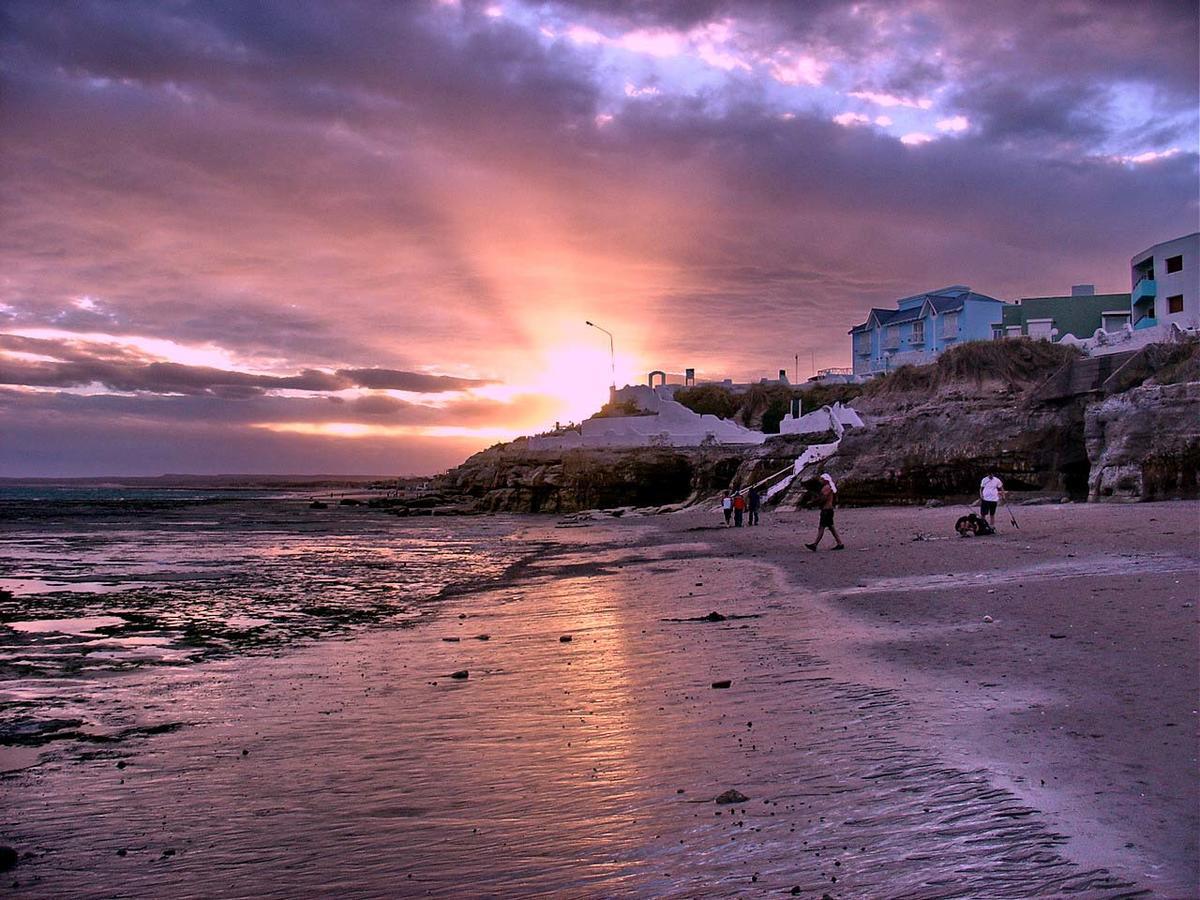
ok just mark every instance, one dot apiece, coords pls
pixel 1166 284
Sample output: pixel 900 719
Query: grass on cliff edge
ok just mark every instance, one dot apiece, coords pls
pixel 1015 362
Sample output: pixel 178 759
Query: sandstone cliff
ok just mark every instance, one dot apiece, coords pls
pixel 930 432
pixel 1144 444
pixel 513 478
pixel 943 446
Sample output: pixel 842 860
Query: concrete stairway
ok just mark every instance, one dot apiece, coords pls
pixel 1082 376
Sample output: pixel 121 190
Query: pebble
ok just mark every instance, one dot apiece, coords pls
pixel 988 619
pixel 565 639
pixel 451 640
pixel 722 684
pixel 731 796
pixel 460 674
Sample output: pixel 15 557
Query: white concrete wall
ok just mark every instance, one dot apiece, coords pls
pixel 827 418
pixel 1104 342
pixel 669 424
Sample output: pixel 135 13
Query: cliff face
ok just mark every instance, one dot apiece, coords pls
pixel 512 478
pixel 930 432
pixel 943 446
pixel 1144 444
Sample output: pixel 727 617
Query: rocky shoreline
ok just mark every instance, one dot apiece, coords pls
pixel 1094 430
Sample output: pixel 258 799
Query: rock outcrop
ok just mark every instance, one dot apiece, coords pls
pixel 513 478
pixel 1144 444
pixel 933 431
pixel 942 447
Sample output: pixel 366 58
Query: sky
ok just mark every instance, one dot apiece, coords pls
pixel 364 237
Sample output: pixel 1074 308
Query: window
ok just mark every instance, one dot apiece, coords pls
pixel 1174 264
pixel 950 325
pixel 1174 304
pixel 891 338
pixel 1041 329
pixel 918 333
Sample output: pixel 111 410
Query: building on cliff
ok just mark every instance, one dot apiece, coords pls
pixel 921 327
pixel 1166 284
pixel 1053 318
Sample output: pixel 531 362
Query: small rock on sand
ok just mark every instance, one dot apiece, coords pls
pixel 460 674
pixel 731 796
pixel 714 616
pixel 988 619
pixel 722 684
pixel 483 637
pixel 565 639
pixel 451 640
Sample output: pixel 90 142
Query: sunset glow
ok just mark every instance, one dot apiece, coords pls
pixel 371 245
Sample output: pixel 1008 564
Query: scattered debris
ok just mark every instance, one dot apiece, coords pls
pixel 714 616
pixel 731 796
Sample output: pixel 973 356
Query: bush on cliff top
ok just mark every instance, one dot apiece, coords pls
pixel 763 405
pixel 1179 363
pixel 1015 362
pixel 708 400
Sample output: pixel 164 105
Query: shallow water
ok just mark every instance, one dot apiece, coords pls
pixel 586 767
pixel 105 589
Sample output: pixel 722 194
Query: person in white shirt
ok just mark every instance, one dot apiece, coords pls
pixel 991 492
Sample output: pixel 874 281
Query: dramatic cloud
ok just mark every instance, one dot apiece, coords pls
pixel 380 217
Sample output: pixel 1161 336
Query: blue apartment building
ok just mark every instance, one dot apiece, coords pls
pixel 922 326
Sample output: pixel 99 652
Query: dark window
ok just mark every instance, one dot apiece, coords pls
pixel 1175 304
pixel 1174 264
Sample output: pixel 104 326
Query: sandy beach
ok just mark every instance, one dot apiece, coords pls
pixel 885 739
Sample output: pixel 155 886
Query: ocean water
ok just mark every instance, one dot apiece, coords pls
pixel 100 582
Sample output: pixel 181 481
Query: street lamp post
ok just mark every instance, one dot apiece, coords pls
pixel 612 356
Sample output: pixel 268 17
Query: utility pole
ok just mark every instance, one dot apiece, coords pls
pixel 797 369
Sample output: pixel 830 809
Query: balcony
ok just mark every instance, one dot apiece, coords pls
pixel 1147 287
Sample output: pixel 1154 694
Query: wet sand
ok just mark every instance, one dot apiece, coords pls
pixel 1080 696
pixel 888 741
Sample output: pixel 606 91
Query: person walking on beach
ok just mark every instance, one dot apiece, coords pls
pixel 991 492
pixel 727 507
pixel 828 502
pixel 753 502
pixel 739 507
